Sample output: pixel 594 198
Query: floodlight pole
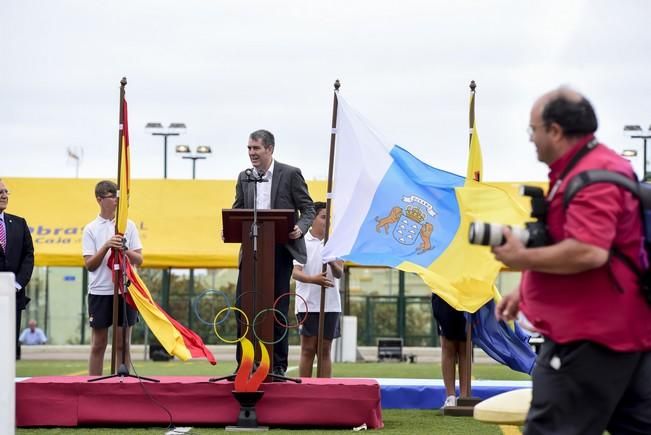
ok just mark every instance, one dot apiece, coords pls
pixel 165 136
pixel 194 163
pixel 644 137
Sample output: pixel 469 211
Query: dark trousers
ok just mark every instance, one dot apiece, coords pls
pixel 585 388
pixel 282 275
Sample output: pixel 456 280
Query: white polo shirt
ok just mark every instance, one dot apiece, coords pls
pixel 96 233
pixel 312 292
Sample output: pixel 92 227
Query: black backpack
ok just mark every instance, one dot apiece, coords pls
pixel 643 192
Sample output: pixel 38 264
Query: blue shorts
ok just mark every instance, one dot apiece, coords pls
pixel 100 311
pixel 451 323
pixel 310 328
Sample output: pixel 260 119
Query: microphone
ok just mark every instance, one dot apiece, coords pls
pixel 260 178
pixel 253 175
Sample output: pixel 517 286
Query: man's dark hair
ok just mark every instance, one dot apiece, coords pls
pixel 105 187
pixel 318 206
pixel 265 137
pixel 576 117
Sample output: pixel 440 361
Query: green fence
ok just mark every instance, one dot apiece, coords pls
pixel 59 296
pixel 408 317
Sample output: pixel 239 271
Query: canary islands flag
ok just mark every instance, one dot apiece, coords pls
pixel 391 209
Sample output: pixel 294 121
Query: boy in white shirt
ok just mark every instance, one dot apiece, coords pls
pixel 99 238
pixel 309 280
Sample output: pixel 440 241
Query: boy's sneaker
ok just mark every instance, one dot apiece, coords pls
pixel 449 401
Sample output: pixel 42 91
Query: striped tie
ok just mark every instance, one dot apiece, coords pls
pixel 3 235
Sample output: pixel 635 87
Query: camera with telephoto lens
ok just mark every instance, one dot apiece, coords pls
pixel 532 235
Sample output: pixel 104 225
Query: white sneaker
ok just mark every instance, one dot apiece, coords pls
pixel 449 401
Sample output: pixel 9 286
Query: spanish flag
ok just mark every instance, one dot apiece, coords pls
pixel 174 337
pixel 124 171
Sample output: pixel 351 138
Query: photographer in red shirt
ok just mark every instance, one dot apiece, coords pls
pixel 593 372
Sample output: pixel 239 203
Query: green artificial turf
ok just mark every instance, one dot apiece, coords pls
pixel 396 422
pixel 25 368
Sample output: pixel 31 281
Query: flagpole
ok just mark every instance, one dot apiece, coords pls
pixel 331 163
pixel 468 362
pixel 471 117
pixel 116 273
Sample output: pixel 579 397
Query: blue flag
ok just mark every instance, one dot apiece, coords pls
pixel 509 346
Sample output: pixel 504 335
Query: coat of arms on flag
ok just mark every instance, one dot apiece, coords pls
pixel 412 223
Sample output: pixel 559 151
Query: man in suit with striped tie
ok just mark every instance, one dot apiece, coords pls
pixel 16 254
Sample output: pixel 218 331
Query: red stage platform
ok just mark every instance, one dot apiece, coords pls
pixel 72 401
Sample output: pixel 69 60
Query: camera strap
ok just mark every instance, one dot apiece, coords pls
pixel 575 159
pixel 600 176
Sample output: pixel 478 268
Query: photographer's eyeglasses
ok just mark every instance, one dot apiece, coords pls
pixel 4 192
pixel 110 195
pixel 532 129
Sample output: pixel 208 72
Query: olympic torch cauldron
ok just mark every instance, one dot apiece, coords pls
pixel 246 386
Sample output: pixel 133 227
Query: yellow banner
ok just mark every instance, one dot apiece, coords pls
pixel 179 221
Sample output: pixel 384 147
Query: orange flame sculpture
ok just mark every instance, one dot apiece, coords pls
pixel 244 383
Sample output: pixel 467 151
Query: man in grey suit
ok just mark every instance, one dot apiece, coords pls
pixel 16 254
pixel 285 189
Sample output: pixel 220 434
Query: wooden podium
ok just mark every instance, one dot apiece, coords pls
pixel 257 294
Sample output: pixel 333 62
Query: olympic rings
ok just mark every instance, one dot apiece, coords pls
pixel 255 319
pixel 238 302
pixel 286 325
pixel 246 331
pixel 244 320
pixel 195 305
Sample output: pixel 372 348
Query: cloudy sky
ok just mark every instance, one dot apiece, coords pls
pixel 226 68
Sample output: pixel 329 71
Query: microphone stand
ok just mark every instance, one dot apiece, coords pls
pixel 253 176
